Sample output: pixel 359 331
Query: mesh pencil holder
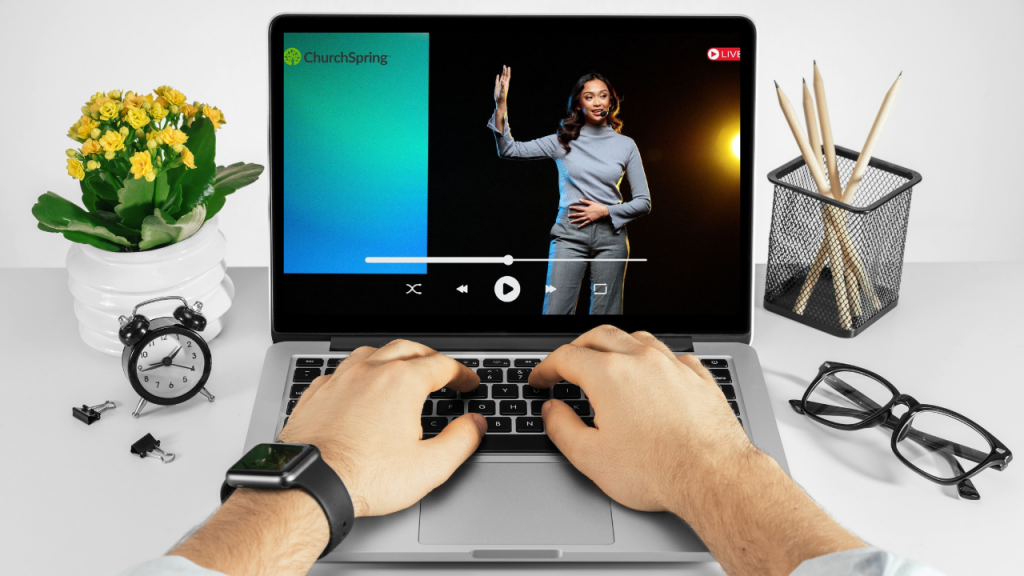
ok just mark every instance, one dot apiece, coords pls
pixel 833 266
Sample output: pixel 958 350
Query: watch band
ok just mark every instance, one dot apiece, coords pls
pixel 321 482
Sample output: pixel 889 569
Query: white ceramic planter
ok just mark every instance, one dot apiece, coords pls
pixel 108 284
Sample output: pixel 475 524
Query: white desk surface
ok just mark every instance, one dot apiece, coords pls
pixel 75 501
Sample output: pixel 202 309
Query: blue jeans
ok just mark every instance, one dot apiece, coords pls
pixel 595 240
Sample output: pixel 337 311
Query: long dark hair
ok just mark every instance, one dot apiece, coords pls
pixel 569 127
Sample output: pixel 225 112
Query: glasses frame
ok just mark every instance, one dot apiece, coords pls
pixel 999 455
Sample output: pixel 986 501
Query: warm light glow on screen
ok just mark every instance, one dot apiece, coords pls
pixel 736 145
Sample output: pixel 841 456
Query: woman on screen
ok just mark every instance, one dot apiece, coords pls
pixel 592 157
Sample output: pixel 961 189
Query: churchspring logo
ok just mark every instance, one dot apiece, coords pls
pixel 293 56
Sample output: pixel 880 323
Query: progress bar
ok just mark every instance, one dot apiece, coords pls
pixel 507 260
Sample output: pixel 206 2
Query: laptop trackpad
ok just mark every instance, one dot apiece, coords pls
pixel 516 503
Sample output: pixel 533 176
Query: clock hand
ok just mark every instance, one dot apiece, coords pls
pixel 175 353
pixel 180 366
pixel 152 367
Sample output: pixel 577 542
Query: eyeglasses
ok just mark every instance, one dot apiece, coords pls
pixel 934 442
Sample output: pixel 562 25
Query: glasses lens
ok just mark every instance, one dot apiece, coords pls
pixel 846 397
pixel 942 446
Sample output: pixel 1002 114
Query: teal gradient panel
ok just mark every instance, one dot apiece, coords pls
pixel 355 153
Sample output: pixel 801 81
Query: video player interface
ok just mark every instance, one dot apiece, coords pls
pixel 610 186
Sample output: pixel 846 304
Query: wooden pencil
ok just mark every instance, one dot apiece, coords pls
pixel 869 144
pixel 812 134
pixel 826 131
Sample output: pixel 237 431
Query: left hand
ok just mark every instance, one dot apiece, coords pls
pixel 590 212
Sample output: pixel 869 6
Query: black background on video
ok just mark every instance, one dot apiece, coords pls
pixel 674 103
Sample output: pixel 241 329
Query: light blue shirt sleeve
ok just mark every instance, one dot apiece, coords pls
pixel 169 566
pixel 863 562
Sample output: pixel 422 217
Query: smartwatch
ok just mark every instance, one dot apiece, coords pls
pixel 280 466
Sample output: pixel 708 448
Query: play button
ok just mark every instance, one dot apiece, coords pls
pixel 506 289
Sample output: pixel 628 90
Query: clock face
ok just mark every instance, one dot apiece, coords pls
pixel 170 363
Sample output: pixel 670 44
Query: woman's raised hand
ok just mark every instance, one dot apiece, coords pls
pixel 501 86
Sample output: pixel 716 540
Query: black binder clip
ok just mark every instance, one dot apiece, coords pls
pixel 90 414
pixel 147 445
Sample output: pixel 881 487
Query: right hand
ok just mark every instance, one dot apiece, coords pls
pixel 662 424
pixel 501 86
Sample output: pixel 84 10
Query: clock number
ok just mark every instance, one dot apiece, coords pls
pixel 193 355
pixel 184 379
pixel 157 383
pixel 189 344
pixel 140 367
pixel 193 368
pixel 145 379
pixel 164 337
pixel 145 354
pixel 170 384
pixel 153 343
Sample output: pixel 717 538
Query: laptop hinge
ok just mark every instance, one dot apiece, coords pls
pixel 533 343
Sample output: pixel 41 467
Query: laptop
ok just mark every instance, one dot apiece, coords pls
pixel 395 213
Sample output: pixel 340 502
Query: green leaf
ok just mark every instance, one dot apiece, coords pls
pixel 196 182
pixel 214 204
pixel 58 214
pixel 161 189
pixel 173 202
pixel 88 196
pixel 83 238
pixel 157 231
pixel 98 181
pixel 136 201
pixel 235 176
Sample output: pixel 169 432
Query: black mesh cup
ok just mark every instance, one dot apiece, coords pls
pixel 865 239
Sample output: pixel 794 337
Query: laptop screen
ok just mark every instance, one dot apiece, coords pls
pixel 615 188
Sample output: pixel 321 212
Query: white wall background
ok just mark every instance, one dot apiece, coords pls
pixel 958 121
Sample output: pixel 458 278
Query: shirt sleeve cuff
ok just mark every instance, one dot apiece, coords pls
pixel 169 566
pixel 493 123
pixel 863 562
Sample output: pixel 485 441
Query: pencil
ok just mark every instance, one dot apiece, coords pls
pixel 826 131
pixel 812 132
pixel 801 141
pixel 869 144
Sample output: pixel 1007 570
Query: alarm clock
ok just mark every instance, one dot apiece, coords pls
pixel 165 360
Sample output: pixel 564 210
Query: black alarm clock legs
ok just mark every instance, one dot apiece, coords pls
pixel 206 393
pixel 139 407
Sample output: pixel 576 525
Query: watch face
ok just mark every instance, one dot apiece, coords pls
pixel 170 364
pixel 269 457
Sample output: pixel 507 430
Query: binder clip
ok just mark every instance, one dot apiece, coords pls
pixel 90 414
pixel 147 445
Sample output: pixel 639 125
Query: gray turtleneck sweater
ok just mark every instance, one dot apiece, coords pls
pixel 592 169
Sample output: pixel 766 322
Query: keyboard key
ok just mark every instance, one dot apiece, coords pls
pixel 735 408
pixel 519 374
pixel 450 407
pixel 291 406
pixel 728 390
pixel 479 392
pixel 443 393
pixel 435 424
pixel 469 362
pixel 531 392
pixel 497 362
pixel 499 424
pixel 513 407
pixel 330 371
pixel 485 407
pixel 504 391
pixel 536 406
pixel 333 362
pixel 504 443
pixel 567 391
pixel 428 407
pixel 309 362
pixel 714 363
pixel 589 421
pixel 305 374
pixel 298 389
pixel 580 407
pixel 527 362
pixel 528 424
pixel 285 421
pixel 489 374
pixel 721 376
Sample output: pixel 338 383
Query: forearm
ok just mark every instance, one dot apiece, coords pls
pixel 260 532
pixel 754 519
pixel 499 117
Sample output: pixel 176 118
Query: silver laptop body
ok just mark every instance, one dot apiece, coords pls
pixel 505 503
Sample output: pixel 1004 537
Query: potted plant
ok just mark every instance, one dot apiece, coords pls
pixel 151 192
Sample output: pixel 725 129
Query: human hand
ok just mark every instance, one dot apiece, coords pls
pixel 365 420
pixel 661 421
pixel 590 212
pixel 501 82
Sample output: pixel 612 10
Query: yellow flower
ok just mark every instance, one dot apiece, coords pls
pixel 158 112
pixel 75 169
pixel 96 97
pixel 91 147
pixel 98 103
pixel 112 141
pixel 151 135
pixel 142 165
pixel 188 110
pixel 91 165
pixel 150 176
pixel 137 117
pixel 172 136
pixel 215 116
pixel 110 109
pixel 115 94
pixel 86 125
pixel 187 157
pixel 173 96
pixel 160 91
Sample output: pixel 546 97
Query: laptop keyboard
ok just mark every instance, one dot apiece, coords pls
pixel 511 407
